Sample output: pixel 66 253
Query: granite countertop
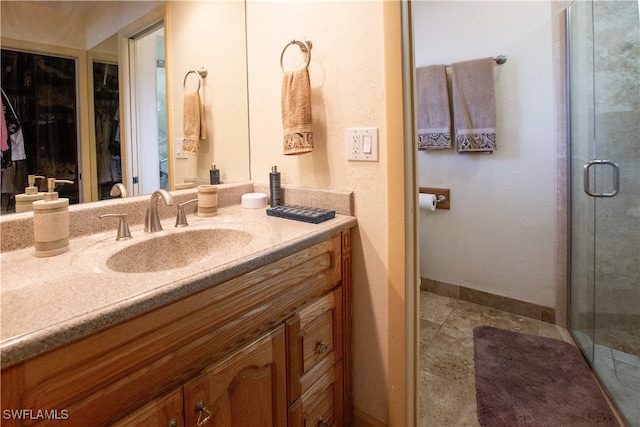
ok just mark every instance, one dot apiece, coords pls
pixel 48 302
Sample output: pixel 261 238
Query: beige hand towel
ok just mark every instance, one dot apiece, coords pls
pixel 434 117
pixel 474 105
pixel 296 112
pixel 193 123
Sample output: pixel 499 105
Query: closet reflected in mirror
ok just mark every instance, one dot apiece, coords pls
pixel 39 106
pixel 106 122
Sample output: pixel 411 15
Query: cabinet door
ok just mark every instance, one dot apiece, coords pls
pixel 245 389
pixel 163 411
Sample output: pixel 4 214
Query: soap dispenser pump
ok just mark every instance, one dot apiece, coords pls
pixel 31 194
pixel 51 222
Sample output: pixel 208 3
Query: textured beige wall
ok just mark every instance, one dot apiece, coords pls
pixel 349 89
pixel 210 34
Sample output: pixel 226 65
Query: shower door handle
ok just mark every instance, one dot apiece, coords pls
pixel 616 178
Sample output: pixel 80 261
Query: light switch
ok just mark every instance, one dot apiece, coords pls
pixel 178 146
pixel 362 144
pixel 366 144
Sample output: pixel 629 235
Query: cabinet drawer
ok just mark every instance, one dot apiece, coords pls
pixel 321 405
pixel 314 342
pixel 161 412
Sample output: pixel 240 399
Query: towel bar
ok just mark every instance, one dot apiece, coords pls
pixel 500 59
pixel 305 46
pixel 201 74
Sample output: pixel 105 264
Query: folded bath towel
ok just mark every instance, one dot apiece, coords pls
pixel 296 112
pixel 474 106
pixel 192 123
pixel 434 118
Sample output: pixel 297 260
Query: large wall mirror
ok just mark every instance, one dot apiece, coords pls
pixel 119 113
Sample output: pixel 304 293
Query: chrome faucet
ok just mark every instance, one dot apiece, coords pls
pixel 151 220
pixel 118 189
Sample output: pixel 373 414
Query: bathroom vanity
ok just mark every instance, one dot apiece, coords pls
pixel 258 337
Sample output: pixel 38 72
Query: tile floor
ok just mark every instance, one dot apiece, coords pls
pixel 447 377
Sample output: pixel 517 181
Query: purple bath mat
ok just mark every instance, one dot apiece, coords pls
pixel 527 380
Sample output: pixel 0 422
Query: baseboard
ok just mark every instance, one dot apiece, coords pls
pixel 584 320
pixel 510 305
pixel 361 419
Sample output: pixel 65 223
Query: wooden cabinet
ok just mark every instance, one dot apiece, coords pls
pixel 322 404
pixel 249 351
pixel 315 349
pixel 314 336
pixel 165 411
pixel 246 388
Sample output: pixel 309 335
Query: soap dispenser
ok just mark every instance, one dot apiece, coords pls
pixel 51 222
pixel 214 175
pixel 31 194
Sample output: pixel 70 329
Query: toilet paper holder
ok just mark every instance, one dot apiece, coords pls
pixel 443 198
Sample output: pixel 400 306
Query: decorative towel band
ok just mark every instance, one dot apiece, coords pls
pixel 476 140
pixel 434 140
pixel 305 46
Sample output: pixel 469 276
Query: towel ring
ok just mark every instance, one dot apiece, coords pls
pixel 201 74
pixel 305 46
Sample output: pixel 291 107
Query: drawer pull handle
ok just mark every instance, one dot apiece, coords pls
pixel 322 422
pixel 172 423
pixel 204 415
pixel 321 347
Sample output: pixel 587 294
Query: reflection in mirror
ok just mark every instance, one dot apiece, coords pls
pixel 105 92
pixel 211 35
pixel 39 107
pixel 148 145
pixel 94 37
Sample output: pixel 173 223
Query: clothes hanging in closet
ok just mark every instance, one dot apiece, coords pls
pixel 14 130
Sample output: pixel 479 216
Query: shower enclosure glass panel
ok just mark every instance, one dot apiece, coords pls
pixel 604 81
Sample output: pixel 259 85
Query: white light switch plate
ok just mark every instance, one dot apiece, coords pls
pixel 179 153
pixel 362 144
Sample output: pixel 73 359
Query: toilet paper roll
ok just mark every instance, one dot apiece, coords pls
pixel 427 201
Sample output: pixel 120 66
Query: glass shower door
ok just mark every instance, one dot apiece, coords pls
pixel 604 76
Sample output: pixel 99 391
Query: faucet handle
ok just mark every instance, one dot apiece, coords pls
pixel 181 218
pixel 123 226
